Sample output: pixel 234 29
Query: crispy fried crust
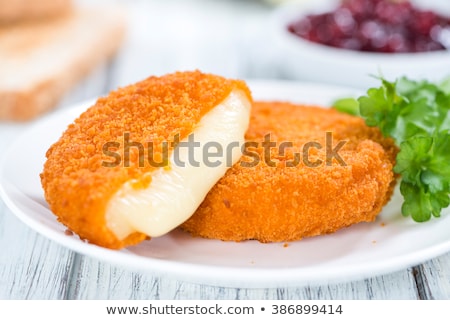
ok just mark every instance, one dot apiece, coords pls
pixel 78 186
pixel 283 203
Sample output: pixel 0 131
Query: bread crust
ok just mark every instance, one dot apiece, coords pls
pixel 20 10
pixel 40 91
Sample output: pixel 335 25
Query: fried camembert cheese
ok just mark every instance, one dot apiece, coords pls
pixel 307 171
pixel 118 174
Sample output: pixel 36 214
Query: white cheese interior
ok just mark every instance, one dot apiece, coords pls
pixel 173 195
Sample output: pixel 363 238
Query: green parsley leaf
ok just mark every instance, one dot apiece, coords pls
pixel 347 105
pixel 416 114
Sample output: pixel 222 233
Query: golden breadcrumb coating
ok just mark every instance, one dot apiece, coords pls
pixel 282 203
pixel 76 182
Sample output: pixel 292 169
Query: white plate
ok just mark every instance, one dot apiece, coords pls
pixel 363 250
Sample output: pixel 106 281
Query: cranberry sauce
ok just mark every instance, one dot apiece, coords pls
pixel 375 26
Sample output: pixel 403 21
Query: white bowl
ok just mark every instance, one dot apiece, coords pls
pixel 304 60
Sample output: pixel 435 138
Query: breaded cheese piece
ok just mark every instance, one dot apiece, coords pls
pixel 333 171
pixel 133 165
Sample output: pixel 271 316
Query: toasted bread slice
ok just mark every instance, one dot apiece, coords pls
pixel 121 204
pixel 41 60
pixel 19 10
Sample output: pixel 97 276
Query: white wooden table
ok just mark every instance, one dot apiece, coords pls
pixel 220 36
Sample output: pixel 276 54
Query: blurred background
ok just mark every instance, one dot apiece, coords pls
pixel 226 37
pixel 234 38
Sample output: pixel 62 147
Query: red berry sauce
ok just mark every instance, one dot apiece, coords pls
pixel 375 26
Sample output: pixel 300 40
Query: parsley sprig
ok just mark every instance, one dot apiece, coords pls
pixel 416 114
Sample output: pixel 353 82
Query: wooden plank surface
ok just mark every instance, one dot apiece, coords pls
pixel 433 278
pixel 31 267
pixel 94 280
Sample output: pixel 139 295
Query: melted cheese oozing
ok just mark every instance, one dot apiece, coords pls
pixel 173 195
